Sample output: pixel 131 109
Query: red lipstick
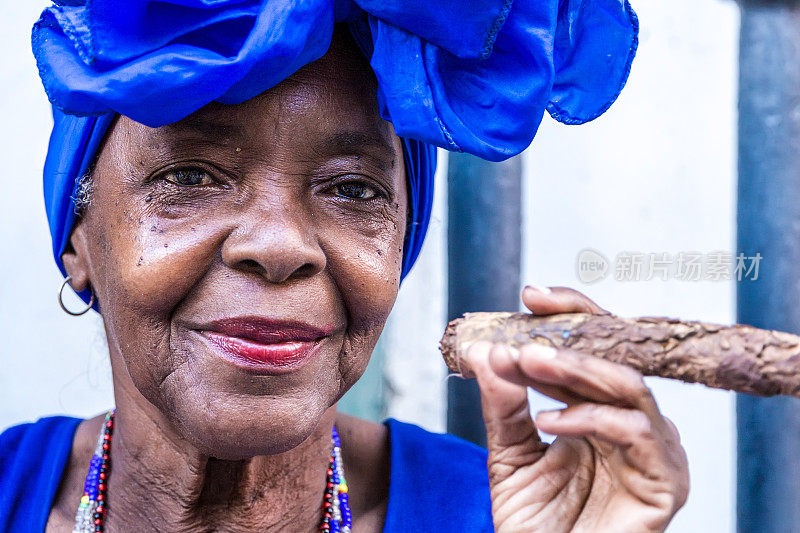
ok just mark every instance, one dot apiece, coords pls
pixel 262 343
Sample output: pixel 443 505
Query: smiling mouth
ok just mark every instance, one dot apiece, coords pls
pixel 264 344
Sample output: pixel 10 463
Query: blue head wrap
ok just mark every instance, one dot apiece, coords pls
pixel 471 76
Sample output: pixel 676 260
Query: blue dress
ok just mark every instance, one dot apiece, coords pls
pixel 438 483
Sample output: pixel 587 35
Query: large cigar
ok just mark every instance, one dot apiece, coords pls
pixel 738 358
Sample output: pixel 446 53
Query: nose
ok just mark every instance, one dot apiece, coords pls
pixel 278 243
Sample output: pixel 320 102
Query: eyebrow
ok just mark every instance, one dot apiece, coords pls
pixel 207 127
pixel 339 142
pixel 358 141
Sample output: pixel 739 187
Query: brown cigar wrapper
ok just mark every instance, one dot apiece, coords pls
pixel 738 358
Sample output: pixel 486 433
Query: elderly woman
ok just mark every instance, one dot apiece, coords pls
pixel 239 188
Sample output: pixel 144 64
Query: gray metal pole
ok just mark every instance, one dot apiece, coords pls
pixel 484 240
pixel 768 476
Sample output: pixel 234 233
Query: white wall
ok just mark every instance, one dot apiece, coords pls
pixel 50 362
pixel 655 174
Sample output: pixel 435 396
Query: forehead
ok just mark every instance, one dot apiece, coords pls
pixel 331 100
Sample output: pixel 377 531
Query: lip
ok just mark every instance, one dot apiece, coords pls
pixel 274 346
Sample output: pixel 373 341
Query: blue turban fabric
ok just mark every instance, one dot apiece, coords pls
pixel 471 76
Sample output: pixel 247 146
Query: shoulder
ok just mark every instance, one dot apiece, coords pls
pixel 438 479
pixel 32 460
pixel 414 447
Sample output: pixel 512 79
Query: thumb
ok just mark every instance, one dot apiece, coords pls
pixel 512 438
pixel 553 300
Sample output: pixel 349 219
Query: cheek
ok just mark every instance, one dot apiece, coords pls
pixel 150 264
pixel 366 268
pixel 154 262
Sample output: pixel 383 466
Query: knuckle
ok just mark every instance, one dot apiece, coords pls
pixel 592 410
pixel 588 411
pixel 476 356
pixel 571 381
pixel 634 378
pixel 641 426
pixel 636 388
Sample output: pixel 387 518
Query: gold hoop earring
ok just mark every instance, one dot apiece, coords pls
pixel 64 307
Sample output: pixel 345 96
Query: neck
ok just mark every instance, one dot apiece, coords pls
pixel 162 482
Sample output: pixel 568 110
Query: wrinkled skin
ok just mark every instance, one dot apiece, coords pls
pixel 293 205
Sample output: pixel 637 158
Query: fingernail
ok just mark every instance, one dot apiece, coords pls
pixel 514 353
pixel 537 288
pixel 540 351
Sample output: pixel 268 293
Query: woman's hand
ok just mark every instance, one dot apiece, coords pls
pixel 616 465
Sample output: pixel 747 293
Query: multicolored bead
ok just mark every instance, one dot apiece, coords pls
pixel 92 508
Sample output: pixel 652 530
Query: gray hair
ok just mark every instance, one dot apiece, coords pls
pixel 83 193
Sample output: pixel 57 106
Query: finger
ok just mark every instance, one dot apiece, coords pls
pixel 584 377
pixel 512 438
pixel 504 365
pixel 644 445
pixel 549 301
pixel 616 425
pixel 504 404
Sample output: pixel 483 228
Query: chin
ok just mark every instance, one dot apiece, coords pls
pixel 231 414
pixel 231 427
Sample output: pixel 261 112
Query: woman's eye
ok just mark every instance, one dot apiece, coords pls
pixel 189 177
pixel 355 190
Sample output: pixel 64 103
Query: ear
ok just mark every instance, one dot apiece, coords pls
pixel 76 257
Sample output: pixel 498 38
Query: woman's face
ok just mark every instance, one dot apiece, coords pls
pixel 246 258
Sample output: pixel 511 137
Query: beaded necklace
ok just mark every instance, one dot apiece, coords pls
pixel 90 517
